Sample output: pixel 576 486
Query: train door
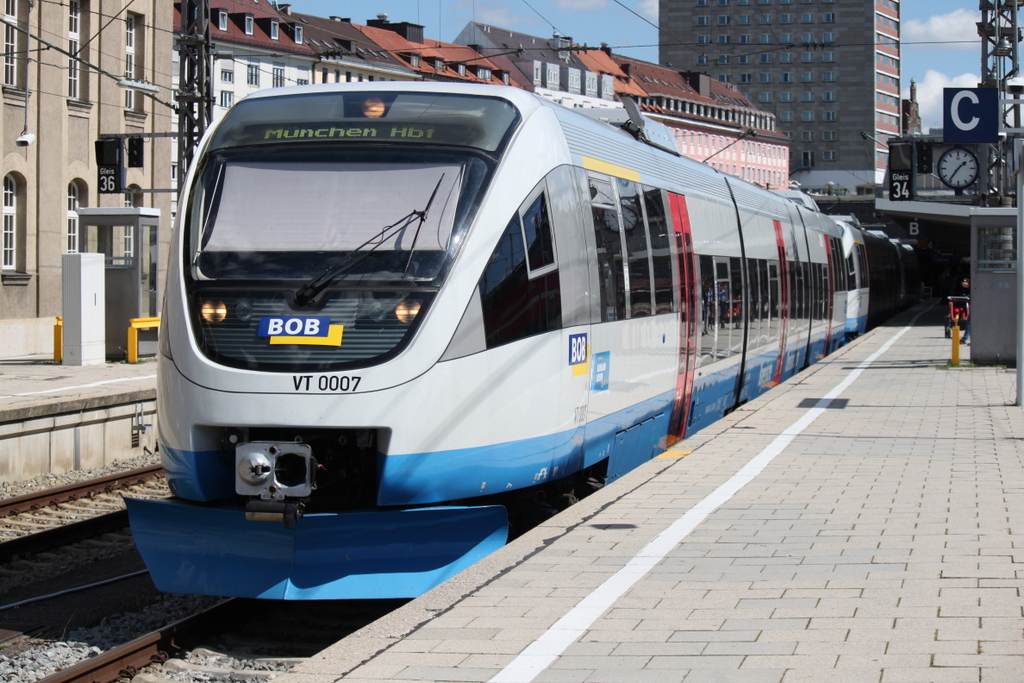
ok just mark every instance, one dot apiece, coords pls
pixel 828 285
pixel 689 312
pixel 783 289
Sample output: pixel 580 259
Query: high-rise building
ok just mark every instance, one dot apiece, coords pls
pixel 828 69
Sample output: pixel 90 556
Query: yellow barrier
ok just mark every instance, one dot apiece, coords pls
pixel 58 340
pixel 134 325
pixel 956 343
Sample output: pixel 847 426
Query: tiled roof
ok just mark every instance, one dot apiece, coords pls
pixel 429 52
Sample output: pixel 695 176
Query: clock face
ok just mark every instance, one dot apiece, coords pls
pixel 958 168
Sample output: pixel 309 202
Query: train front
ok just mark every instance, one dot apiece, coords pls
pixel 318 231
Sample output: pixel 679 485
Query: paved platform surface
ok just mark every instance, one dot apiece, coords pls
pixel 35 386
pixel 875 536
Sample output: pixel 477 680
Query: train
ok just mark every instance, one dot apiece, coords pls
pixel 403 319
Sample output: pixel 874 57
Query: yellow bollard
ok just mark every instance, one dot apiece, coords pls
pixel 58 340
pixel 956 343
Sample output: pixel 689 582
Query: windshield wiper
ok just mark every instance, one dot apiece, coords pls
pixel 308 291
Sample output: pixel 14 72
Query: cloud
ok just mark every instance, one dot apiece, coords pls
pixel 955 30
pixel 581 5
pixel 495 13
pixel 649 8
pixel 929 95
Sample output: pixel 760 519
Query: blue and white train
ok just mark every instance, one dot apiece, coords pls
pixel 398 315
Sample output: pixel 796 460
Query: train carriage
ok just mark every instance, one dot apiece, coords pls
pixel 399 315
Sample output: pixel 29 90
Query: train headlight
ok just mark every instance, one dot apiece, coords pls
pixel 373 108
pixel 254 469
pixel 406 311
pixel 213 311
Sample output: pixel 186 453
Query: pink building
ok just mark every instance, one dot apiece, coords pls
pixel 713 121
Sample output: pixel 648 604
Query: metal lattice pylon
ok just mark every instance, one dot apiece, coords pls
pixel 195 91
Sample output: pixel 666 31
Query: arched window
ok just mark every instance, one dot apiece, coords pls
pixel 73 204
pixel 10 225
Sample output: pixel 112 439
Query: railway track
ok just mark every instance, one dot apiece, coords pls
pixel 234 640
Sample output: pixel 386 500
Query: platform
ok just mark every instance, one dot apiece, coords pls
pixel 55 418
pixel 859 523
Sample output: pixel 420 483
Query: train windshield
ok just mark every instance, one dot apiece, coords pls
pixel 340 211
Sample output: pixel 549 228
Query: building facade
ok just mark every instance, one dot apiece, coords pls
pixel 62 65
pixel 828 70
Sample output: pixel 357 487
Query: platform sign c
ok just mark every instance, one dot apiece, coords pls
pixel 970 115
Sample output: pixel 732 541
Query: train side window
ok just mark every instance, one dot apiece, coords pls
pixel 635 232
pixel 516 305
pixel 753 304
pixel 661 250
pixel 775 298
pixel 609 251
pixel 708 310
pixel 540 247
pixel 723 291
pixel 765 302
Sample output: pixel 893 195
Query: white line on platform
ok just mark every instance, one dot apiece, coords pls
pixel 540 654
pixel 80 386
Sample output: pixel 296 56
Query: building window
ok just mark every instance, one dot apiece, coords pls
pixel 828 18
pixel 11 43
pixel 766 78
pixel 786 19
pixel 723 59
pixel 252 75
pixel 743 20
pixel 249 24
pixel 8 256
pixel 227 75
pixel 723 40
pixel 808 38
pixel 807 136
pixel 703 40
pixel 807 116
pixel 703 21
pixel 807 18
pixel 807 97
pixel 278 76
pixel 724 20
pixel 744 39
pixel 828 96
pixel 828 155
pixel 765 19
pixel 764 97
pixel 765 59
pixel 807 57
pixel 829 76
pixel 786 77
pixel 73 204
pixel 702 3
pixel 724 78
pixel 828 56
pixel 74 40
pixel 275 30
pixel 702 60
pixel 828 37
pixel 828 116
pixel 745 78
pixel 298 35
pixel 227 98
pixel 807 159
pixel 222 20
pixel 807 77
pixel 746 59
pixel 786 117
pixel 828 136
pixel 785 97
pixel 129 59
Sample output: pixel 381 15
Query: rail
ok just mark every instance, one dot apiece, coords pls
pixel 63 494
pixel 154 647
pixel 134 325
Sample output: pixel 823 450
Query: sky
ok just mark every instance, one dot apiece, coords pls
pixel 941 47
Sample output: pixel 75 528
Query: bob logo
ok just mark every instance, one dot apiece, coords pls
pixel 579 354
pixel 300 330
